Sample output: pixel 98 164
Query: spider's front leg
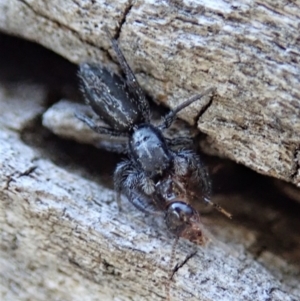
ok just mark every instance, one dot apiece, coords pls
pixel 139 189
pixel 188 164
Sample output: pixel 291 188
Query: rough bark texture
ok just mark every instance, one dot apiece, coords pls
pixel 248 50
pixel 62 236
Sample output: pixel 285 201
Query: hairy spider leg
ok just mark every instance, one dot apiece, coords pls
pixel 136 200
pixel 114 147
pixel 127 180
pixel 99 129
pixel 131 80
pixel 171 116
pixel 180 142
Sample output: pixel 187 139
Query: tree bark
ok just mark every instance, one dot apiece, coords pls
pixel 249 51
pixel 62 236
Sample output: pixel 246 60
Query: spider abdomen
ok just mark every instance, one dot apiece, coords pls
pixel 109 97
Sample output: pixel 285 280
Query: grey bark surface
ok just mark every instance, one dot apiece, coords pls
pixel 248 50
pixel 62 236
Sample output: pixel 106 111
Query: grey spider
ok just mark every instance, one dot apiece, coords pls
pixel 156 177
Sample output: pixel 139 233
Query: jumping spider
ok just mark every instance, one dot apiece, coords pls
pixel 156 177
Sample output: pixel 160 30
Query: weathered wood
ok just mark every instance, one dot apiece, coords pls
pixel 62 236
pixel 249 51
pixel 58 243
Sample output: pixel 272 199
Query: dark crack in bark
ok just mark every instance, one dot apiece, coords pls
pixel 180 265
pixel 296 159
pixel 123 20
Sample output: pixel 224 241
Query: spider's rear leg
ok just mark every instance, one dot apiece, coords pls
pixel 113 146
pixel 131 80
pixel 99 129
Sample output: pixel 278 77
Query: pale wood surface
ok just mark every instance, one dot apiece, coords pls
pixel 62 236
pixel 248 50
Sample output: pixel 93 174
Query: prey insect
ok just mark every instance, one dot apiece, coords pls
pixel 158 176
